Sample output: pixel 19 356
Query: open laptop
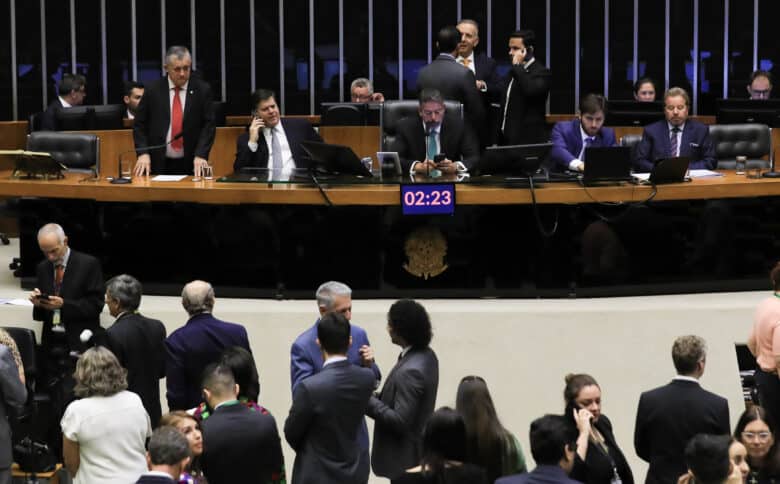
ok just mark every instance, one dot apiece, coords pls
pixel 607 164
pixel 334 159
pixel 666 170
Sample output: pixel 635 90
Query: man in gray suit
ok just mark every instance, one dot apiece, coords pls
pixel 453 80
pixel 327 412
pixel 409 394
pixel 14 395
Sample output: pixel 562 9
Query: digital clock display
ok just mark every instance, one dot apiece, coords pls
pixel 428 199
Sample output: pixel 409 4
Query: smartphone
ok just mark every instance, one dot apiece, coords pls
pixel 439 158
pixel 43 296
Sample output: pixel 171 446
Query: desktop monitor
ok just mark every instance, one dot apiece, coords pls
pixel 72 119
pixel 109 116
pixel 518 160
pixel 633 113
pixel 334 159
pixel 737 111
pixel 344 114
pixel 98 117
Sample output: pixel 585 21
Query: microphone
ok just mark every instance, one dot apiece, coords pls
pixel 119 180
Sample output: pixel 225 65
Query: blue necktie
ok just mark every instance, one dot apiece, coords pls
pixel 588 141
pixel 674 142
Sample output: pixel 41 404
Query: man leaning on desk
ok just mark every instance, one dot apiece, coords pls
pixel 677 135
pixel 175 112
pixel 272 142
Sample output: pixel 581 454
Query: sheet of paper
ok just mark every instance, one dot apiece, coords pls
pixel 704 173
pixel 169 177
pixel 16 302
pixel 641 176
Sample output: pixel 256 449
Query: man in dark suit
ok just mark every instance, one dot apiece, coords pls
pixel 482 66
pixel 177 111
pixel 327 412
pixel 137 342
pixel 570 138
pixel 272 142
pixel 191 348
pixel 451 79
pixel 240 444
pixel 134 92
pixel 167 456
pixel 14 394
pixel 553 445
pixel 433 133
pixel 675 136
pixel 523 103
pixel 670 415
pixel 408 395
pixel 71 92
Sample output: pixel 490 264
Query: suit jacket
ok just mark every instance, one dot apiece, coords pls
pixel 139 344
pixel 454 82
pixel 240 445
pixel 597 466
pixel 154 479
pixel 188 351
pixel 153 118
pixel 543 474
pixel 526 104
pixel 666 420
pixel 695 142
pixel 83 297
pixel 296 130
pixel 485 70
pixel 323 425
pixel 14 394
pixel 456 138
pixel 566 139
pixel 401 410
pixel 49 117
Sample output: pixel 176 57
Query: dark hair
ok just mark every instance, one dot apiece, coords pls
pixel 430 95
pixel 71 82
pixel 443 439
pixel 593 103
pixel 707 457
pixel 447 39
pixel 774 276
pixel 126 290
pixel 333 332
pixel 130 85
pixel 410 321
pixel 528 36
pixel 771 463
pixel 761 73
pixel 549 435
pixel 488 443
pixel 574 383
pixel 242 364
pixel 642 80
pixel 218 379
pixel 168 446
pixel 261 95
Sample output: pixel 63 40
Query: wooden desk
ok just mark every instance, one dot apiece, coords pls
pixel 51 477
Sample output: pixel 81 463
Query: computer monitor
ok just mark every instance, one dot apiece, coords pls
pixel 334 159
pixel 633 113
pixel 518 160
pixel 343 114
pixel 109 116
pixel 737 111
pixel 98 117
pixel 73 118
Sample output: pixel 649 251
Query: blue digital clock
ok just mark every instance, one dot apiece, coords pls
pixel 428 199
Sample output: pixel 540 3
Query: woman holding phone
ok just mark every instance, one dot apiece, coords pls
pixel 599 460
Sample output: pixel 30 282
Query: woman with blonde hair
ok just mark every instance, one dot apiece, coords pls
pixel 104 433
pixel 188 425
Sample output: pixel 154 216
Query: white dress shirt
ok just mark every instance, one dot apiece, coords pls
pixel 169 151
pixel 288 163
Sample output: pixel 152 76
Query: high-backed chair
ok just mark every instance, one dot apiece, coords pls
pixel 631 140
pixel 34 122
pixel 750 140
pixel 77 151
pixel 394 111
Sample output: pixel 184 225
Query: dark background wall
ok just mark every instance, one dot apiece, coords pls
pixel 371 36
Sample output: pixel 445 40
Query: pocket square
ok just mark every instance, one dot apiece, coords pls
pixel 694 145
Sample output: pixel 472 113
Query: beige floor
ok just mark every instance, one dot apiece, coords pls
pixel 523 348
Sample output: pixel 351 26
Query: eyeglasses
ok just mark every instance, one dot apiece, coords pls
pixel 760 436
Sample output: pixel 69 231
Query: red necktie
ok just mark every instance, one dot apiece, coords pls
pixel 176 120
pixel 59 273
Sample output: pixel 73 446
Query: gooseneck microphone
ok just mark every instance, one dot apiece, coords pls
pixel 119 180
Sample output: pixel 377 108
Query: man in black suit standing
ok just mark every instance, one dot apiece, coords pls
pixel 272 142
pixel 524 100
pixel 669 416
pixel 71 92
pixel 327 412
pixel 421 138
pixel 240 444
pixel 451 79
pixel 167 456
pixel 137 342
pixel 176 111
pixel 482 66
pixel 408 395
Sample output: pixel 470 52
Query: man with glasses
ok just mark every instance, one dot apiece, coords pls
pixel 160 120
pixel 669 416
pixel 71 92
pixel 760 87
pixel 362 91
pixel 677 135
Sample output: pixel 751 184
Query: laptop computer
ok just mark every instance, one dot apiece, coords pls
pixel 607 164
pixel 666 170
pixel 515 160
pixel 334 159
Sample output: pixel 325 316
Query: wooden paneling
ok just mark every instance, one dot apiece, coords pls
pixel 364 140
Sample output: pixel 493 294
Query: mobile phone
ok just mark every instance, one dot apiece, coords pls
pixel 43 296
pixel 439 158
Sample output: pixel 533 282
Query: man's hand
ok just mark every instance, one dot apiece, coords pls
pixel 377 97
pixel 519 56
pixel 53 302
pixel 197 164
pixel 143 165
pixel 254 129
pixel 447 166
pixel 366 355
pixel 481 85
pixel 424 166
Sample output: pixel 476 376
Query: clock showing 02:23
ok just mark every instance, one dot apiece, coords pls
pixel 428 199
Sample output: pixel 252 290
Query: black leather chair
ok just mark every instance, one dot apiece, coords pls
pixel 77 151
pixel 750 140
pixel 394 111
pixel 34 122
pixel 631 140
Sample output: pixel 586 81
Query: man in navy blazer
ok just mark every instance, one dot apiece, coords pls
pixel 570 138
pixel 168 455
pixel 255 148
pixel 327 411
pixel 553 445
pixel 677 135
pixel 198 343
pixel 306 355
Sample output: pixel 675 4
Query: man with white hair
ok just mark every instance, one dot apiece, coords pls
pixel 191 348
pixel 362 91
